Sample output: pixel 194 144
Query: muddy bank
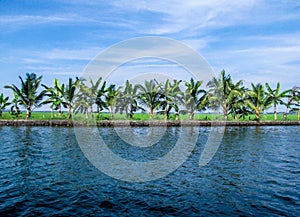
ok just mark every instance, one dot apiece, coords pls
pixel 106 123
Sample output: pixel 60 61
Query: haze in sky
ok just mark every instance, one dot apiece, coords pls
pixel 253 40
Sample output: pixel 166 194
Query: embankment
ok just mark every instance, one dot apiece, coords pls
pixel 107 123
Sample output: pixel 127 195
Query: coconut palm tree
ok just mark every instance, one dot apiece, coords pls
pixel 127 100
pixel 276 97
pixel 82 104
pixel 236 100
pixel 258 100
pixel 238 107
pixel 149 96
pixel 194 97
pixel 82 101
pixel 100 98
pixel 3 103
pixel 70 94
pixel 55 97
pixel 111 98
pixel 87 96
pixel 224 93
pixel 171 97
pixel 294 100
pixel 28 93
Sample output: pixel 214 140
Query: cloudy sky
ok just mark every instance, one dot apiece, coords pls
pixel 253 40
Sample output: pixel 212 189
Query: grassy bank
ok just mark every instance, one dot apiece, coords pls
pixel 143 117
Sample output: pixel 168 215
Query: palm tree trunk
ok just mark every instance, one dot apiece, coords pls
pixel 166 114
pixel 126 112
pixel 111 112
pixel 225 116
pixel 130 112
pixel 275 112
pixel 69 112
pixel 59 110
pixel 286 112
pixel 28 112
pixel 299 114
pixel 225 112
pixel 176 116
pixel 151 113
pixel 92 112
pixel 52 113
pixel 257 116
pixel 18 111
pixel 191 114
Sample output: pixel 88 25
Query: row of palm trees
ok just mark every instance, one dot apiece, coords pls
pixel 177 96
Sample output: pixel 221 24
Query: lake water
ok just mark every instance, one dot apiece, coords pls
pixel 255 172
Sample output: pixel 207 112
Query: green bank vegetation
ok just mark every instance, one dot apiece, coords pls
pixel 171 100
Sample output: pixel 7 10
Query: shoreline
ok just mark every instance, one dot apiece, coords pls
pixel 124 123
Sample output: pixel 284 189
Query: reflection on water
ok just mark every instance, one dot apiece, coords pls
pixel 254 172
pixel 140 136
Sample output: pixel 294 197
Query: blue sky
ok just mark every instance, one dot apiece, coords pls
pixel 253 40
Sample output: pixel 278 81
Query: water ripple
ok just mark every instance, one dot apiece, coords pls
pixel 254 173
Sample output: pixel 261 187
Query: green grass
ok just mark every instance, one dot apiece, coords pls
pixel 141 117
pixel 34 116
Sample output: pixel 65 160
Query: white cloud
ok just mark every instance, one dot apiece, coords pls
pixel 249 55
pixel 184 19
pixel 29 20
pixel 85 54
pixel 85 16
pixel 260 64
pixel 190 15
pixel 57 61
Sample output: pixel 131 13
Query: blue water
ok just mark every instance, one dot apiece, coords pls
pixel 255 172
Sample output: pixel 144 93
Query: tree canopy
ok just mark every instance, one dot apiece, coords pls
pixel 177 96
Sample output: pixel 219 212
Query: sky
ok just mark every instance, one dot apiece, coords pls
pixel 253 40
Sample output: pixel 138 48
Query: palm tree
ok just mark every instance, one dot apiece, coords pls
pixel 294 100
pixel 28 95
pixel 82 104
pixel 236 100
pixel 297 99
pixel 171 97
pixel 111 98
pixel 150 96
pixel 55 97
pixel 87 96
pixel 100 98
pixel 258 100
pixel 276 97
pixel 3 103
pixel 14 109
pixel 194 98
pixel 239 108
pixel 128 100
pixel 70 95
pixel 224 93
